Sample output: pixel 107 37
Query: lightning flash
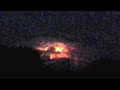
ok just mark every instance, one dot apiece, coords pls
pixel 56 50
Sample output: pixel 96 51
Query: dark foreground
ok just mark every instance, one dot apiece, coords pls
pixel 24 63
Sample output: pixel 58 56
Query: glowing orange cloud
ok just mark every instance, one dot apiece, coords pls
pixel 57 56
pixel 56 50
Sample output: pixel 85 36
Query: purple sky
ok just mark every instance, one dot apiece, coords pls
pixel 95 30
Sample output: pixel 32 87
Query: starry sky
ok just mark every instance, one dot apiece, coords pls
pixel 96 30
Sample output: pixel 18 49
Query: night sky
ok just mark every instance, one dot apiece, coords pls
pixel 96 32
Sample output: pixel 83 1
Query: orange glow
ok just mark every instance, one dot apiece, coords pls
pixel 60 47
pixel 55 50
pixel 57 56
pixel 42 49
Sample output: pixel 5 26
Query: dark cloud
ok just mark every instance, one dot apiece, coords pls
pixel 93 30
